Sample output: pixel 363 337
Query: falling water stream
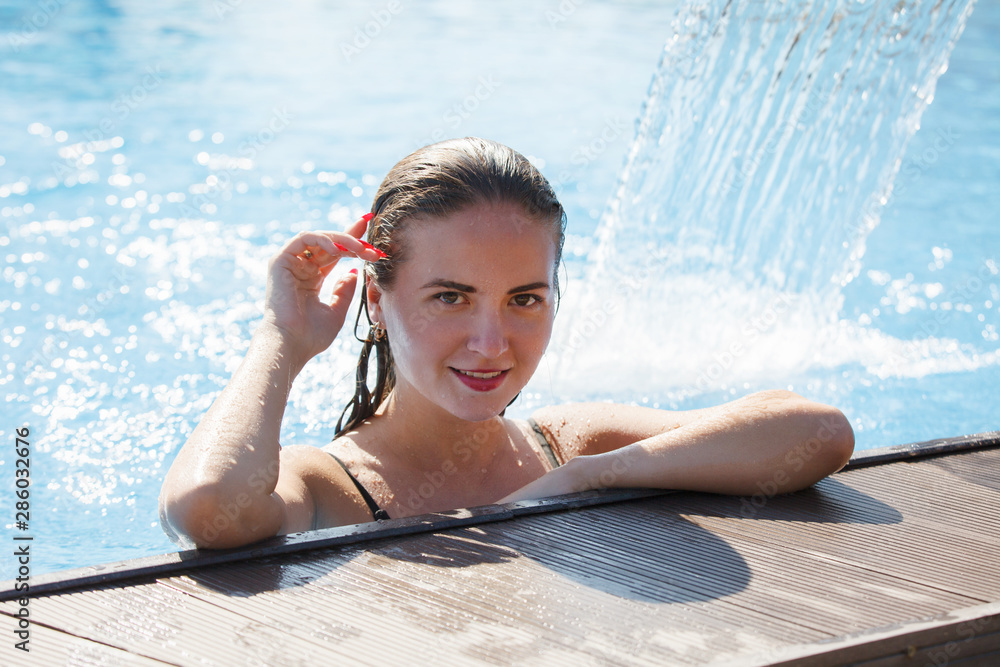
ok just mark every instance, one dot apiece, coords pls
pixel 765 151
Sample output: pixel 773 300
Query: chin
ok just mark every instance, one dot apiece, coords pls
pixel 480 410
pixel 477 414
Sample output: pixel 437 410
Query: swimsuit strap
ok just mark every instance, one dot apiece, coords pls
pixel 543 442
pixel 380 514
pixel 377 512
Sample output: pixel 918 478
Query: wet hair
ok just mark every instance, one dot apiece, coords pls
pixel 434 182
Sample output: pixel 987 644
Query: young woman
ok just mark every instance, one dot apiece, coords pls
pixel 460 288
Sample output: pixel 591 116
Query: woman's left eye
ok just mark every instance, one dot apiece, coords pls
pixel 527 299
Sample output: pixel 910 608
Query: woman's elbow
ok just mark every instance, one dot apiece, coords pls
pixel 189 517
pixel 827 442
pixel 818 439
pixel 201 518
pixel 841 444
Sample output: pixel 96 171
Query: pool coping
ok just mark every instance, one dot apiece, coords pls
pixel 177 562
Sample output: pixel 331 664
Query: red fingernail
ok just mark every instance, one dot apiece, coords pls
pixel 340 247
pixel 371 247
pixel 367 217
pixel 354 271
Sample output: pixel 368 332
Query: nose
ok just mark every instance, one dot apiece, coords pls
pixel 488 337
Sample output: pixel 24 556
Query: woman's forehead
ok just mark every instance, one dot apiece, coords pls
pixel 477 244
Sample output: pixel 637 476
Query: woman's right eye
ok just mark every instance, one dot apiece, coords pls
pixel 450 298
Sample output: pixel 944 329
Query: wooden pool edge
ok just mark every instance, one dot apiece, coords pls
pixel 959 635
pixel 919 450
pixel 180 561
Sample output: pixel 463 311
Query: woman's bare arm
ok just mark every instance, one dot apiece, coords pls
pixel 219 491
pixel 769 442
pixel 228 485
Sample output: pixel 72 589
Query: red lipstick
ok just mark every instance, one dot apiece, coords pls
pixel 481 384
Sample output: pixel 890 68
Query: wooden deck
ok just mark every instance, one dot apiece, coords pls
pixel 893 561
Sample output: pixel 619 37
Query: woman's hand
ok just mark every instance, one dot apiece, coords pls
pixel 559 481
pixel 295 276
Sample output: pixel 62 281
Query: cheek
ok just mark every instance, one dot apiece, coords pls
pixel 534 335
pixel 419 334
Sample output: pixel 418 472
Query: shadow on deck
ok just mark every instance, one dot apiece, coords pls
pixel 891 561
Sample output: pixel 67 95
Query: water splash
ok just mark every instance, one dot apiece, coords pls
pixel 768 144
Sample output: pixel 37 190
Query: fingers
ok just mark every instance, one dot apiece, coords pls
pixel 345 287
pixel 319 248
pixel 324 248
pixel 357 228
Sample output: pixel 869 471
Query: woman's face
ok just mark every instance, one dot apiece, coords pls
pixel 475 295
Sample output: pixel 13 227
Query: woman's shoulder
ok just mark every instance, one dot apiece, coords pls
pixel 578 429
pixel 316 477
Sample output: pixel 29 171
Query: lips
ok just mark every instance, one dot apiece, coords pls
pixel 481 380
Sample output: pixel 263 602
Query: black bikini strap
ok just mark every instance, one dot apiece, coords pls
pixel 377 512
pixel 543 442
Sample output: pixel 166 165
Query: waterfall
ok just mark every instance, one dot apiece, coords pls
pixel 768 144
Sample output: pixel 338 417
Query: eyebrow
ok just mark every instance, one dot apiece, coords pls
pixel 469 289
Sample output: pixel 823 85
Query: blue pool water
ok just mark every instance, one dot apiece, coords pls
pixel 153 157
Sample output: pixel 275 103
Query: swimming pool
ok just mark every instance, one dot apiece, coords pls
pixel 154 157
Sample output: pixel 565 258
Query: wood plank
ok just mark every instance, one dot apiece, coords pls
pixel 679 579
pixel 475 582
pixel 954 532
pixel 165 564
pixel 904 551
pixel 854 598
pixel 969 634
pixel 54 647
pixel 927 448
pixel 163 624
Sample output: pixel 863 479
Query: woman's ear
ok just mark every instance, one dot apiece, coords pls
pixel 373 294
